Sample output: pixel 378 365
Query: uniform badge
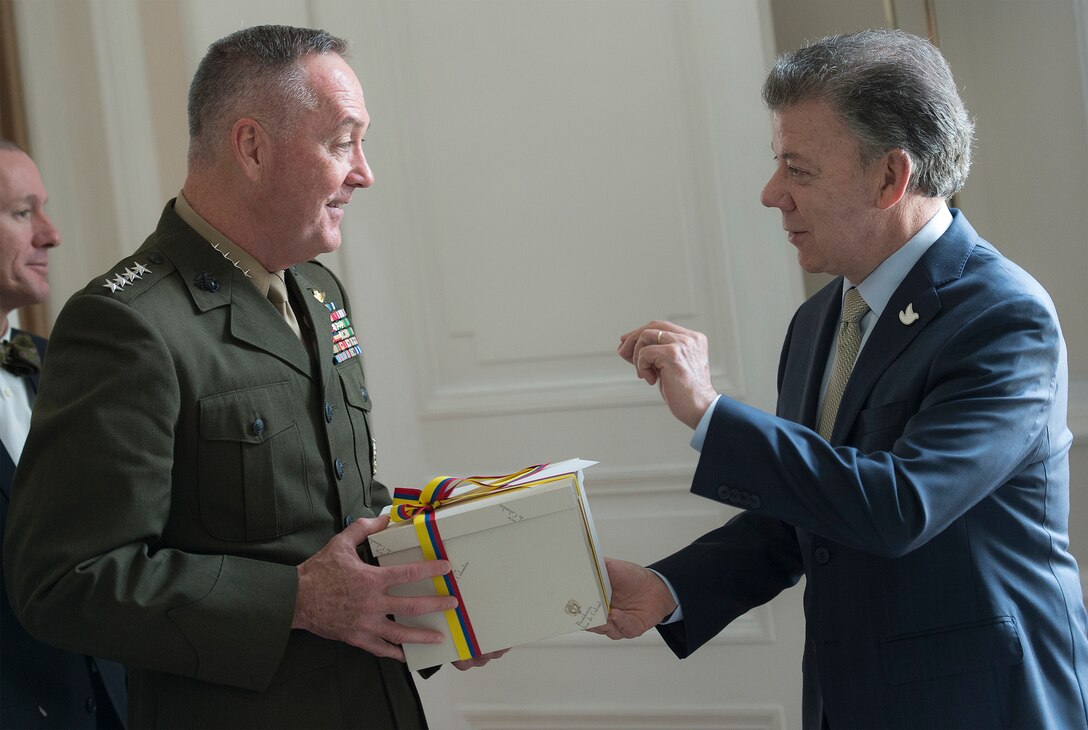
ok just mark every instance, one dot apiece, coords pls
pixel 345 345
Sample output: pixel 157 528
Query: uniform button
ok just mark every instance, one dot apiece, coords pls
pixel 90 704
pixel 328 412
pixel 155 257
pixel 822 555
pixel 339 468
pixel 347 521
pixel 258 426
pixel 364 394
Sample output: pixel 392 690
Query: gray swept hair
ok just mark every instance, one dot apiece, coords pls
pixel 892 90
pixel 254 72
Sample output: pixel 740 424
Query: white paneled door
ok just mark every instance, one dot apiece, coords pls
pixel 549 176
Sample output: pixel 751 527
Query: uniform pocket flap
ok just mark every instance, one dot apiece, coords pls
pixel 951 650
pixel 250 415
pixel 355 392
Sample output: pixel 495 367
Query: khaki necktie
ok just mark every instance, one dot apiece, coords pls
pixel 846 352
pixel 277 294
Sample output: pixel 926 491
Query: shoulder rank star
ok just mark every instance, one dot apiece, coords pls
pixel 126 277
pixel 318 295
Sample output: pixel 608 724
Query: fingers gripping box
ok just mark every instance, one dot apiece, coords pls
pixel 525 556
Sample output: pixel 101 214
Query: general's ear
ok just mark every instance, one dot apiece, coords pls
pixel 251 146
pixel 894 167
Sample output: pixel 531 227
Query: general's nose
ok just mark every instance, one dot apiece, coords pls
pixel 361 176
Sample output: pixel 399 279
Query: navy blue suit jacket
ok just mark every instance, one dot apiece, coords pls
pixel 932 529
pixel 44 687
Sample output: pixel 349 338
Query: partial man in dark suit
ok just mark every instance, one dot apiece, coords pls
pixel 921 486
pixel 40 686
pixel 200 471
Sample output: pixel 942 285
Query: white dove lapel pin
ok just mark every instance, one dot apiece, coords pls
pixel 908 316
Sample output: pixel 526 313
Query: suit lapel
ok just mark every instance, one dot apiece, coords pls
pixel 943 262
pixel 810 341
pixel 7 472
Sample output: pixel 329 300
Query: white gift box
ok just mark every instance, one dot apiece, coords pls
pixel 526 565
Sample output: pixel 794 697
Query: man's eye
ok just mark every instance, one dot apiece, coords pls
pixel 795 171
pixel 23 213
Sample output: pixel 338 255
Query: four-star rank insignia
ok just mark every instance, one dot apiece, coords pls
pixel 126 277
pixel 345 345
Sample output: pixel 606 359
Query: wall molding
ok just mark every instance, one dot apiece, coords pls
pixel 623 717
pixel 754 627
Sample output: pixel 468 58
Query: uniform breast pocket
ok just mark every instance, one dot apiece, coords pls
pixel 252 466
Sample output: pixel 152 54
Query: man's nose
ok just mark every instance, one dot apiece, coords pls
pixel 46 235
pixel 774 194
pixel 361 176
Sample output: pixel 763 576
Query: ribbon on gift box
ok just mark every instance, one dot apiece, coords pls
pixel 420 505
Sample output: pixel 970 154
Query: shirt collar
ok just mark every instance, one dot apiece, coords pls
pixel 231 251
pixel 879 285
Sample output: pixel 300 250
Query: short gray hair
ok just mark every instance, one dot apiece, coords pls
pixel 254 72
pixel 892 90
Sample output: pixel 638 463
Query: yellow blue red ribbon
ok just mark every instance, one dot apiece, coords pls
pixel 419 505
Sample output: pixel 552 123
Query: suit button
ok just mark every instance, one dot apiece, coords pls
pixel 328 412
pixel 757 502
pixel 723 494
pixel 822 555
pixel 258 426
pixel 91 705
pixel 339 464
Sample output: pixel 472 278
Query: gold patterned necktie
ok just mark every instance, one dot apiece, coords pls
pixel 846 352
pixel 277 294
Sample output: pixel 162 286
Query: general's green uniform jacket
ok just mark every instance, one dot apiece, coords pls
pixel 186 453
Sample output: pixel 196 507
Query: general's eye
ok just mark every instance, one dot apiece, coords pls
pixel 23 213
pixel 796 171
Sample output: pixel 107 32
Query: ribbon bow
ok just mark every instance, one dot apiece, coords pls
pixel 407 503
pixel 20 356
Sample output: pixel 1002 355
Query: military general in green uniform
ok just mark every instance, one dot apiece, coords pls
pixel 198 483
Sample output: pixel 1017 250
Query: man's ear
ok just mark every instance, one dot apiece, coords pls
pixel 895 168
pixel 252 148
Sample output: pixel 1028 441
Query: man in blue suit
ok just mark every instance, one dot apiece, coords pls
pixel 921 486
pixel 40 686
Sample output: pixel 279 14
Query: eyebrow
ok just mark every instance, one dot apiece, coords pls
pixel 351 121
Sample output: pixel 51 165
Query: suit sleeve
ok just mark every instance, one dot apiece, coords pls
pixel 82 555
pixel 973 416
pixel 725 573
